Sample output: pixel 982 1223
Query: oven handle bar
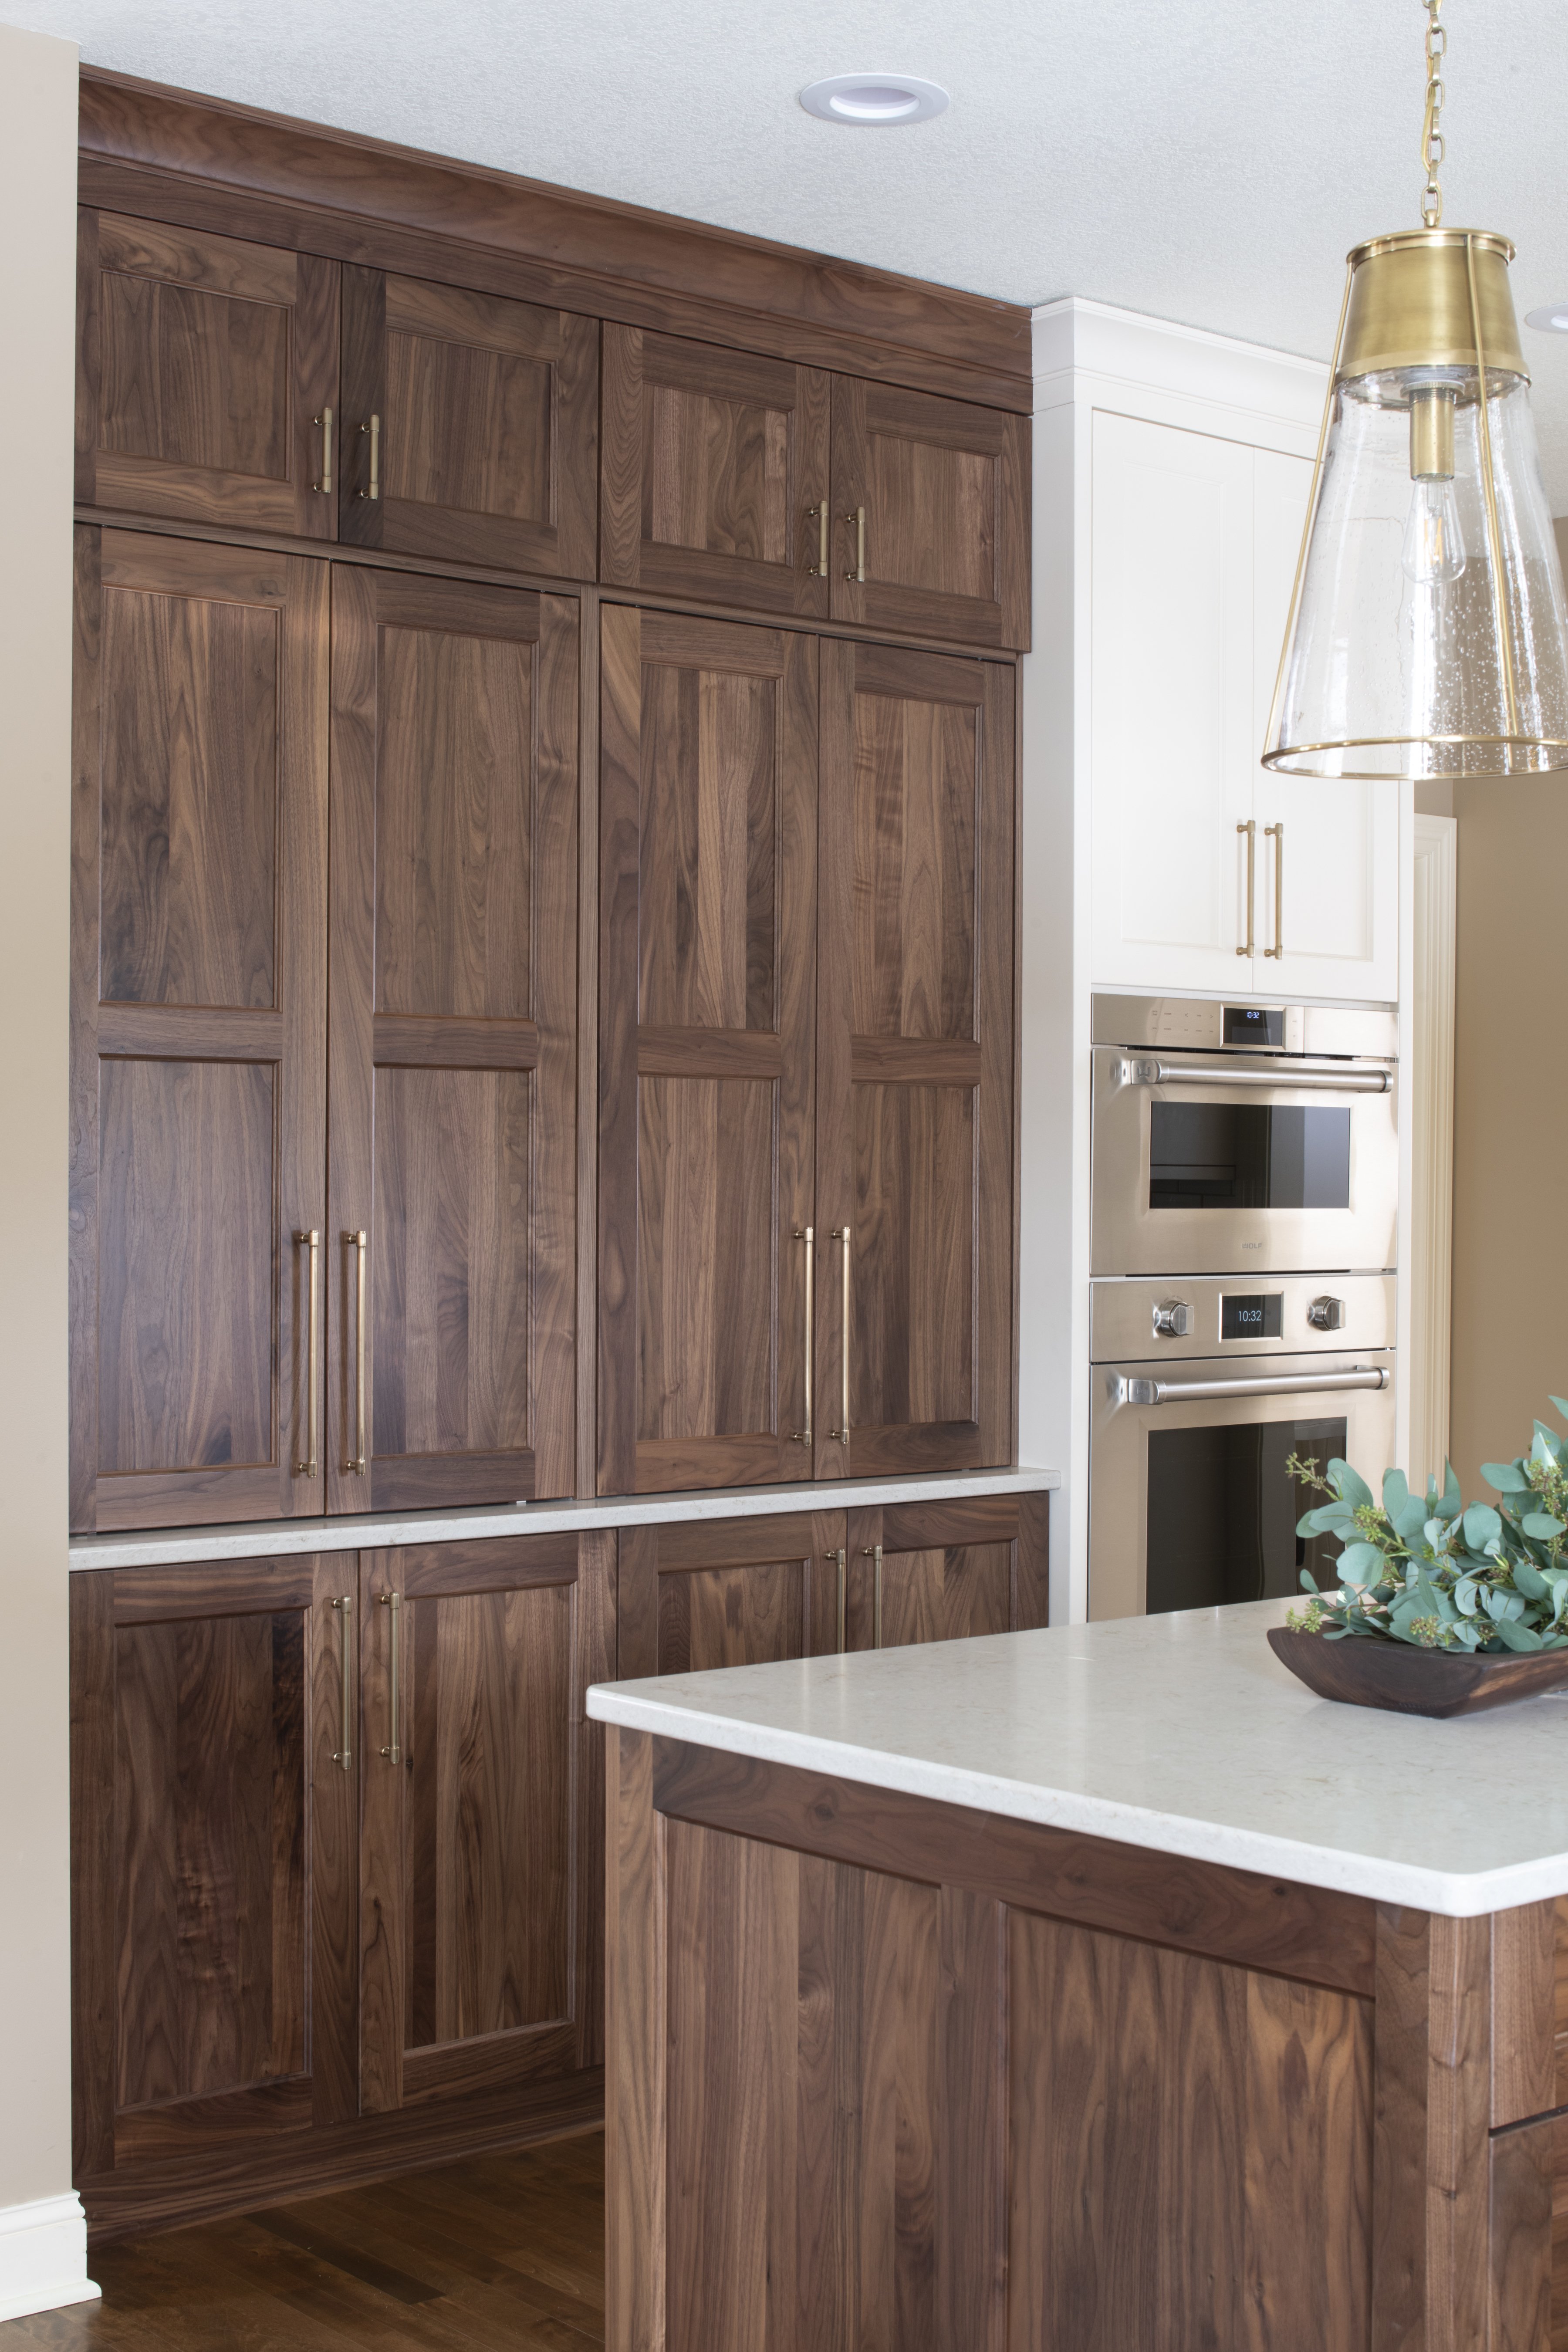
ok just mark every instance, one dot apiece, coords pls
pixel 1126 1392
pixel 1181 1073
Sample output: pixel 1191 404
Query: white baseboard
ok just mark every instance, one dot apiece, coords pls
pixel 43 2256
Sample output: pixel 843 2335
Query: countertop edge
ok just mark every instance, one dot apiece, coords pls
pixel 280 1538
pixel 1455 1895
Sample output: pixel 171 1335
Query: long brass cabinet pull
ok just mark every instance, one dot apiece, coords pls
pixel 312 1464
pixel 842 1596
pixel 808 1233
pixel 1275 832
pixel 873 1552
pixel 343 1753
pixel 373 429
pixel 360 1244
pixel 1250 829
pixel 325 422
pixel 841 1233
pixel 818 571
pixel 858 517
pixel 393 1601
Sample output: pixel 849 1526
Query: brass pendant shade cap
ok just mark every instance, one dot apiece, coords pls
pixel 1410 303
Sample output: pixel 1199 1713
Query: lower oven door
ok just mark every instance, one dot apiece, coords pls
pixel 1191 1504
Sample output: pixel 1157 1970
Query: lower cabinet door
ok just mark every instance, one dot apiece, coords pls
pixel 939 1571
pixel 730 1592
pixel 215 1812
pixel 483 1871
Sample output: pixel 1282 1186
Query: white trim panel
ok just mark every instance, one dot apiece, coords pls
pixel 43 2256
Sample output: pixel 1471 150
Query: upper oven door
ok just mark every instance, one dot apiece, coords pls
pixel 1241 1165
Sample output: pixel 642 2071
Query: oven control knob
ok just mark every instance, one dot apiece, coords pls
pixel 1327 1314
pixel 1172 1319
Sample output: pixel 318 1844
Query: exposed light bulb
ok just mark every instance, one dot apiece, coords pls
pixel 1434 550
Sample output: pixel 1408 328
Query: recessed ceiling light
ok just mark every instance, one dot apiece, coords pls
pixel 1551 320
pixel 873 101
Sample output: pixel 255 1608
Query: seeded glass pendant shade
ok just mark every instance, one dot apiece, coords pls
pixel 1428 630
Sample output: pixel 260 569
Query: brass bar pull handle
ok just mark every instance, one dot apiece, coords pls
pixel 818 571
pixel 841 1233
pixel 873 1552
pixel 1250 829
pixel 312 1464
pixel 325 422
pixel 344 1752
pixel 1275 834
pixel 858 517
pixel 359 1243
pixel 393 1601
pixel 808 1233
pixel 373 429
pixel 842 1596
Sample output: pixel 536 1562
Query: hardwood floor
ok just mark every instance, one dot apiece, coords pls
pixel 501 2250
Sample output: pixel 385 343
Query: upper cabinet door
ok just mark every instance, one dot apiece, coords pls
pixel 715 474
pixel 930 516
pixel 914 1192
pixel 450 1303
pixel 1174 744
pixel 470 426
pixel 198 1001
pixel 206 387
pixel 707 867
pixel 1328 870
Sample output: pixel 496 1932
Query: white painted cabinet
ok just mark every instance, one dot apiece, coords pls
pixel 1194 546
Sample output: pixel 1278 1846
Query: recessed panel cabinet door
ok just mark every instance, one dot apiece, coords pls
pixel 914 1191
pixel 706 890
pixel 214 1836
pixel 714 473
pixel 451 1296
pixel 206 387
pixel 471 425
pixel 930 516
pixel 481 1919
pixel 198 1001
pixel 942 1571
pixel 729 1593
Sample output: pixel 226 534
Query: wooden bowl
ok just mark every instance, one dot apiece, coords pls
pixel 1363 1671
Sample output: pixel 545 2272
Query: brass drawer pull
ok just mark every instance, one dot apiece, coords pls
pixel 359 1243
pixel 393 1601
pixel 807 1234
pixel 325 422
pixel 343 1753
pixel 818 571
pixel 873 1552
pixel 843 1595
pixel 1275 832
pixel 373 429
pixel 858 517
pixel 841 1233
pixel 1250 829
pixel 312 1464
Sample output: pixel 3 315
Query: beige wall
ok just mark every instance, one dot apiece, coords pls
pixel 1510 1115
pixel 37 201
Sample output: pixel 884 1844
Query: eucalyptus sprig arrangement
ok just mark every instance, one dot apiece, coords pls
pixel 1429 1570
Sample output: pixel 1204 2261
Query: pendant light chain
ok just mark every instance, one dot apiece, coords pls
pixel 1431 137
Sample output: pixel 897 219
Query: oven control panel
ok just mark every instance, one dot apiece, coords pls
pixel 1218 1314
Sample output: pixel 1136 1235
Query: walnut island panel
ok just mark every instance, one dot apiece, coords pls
pixel 1097 1988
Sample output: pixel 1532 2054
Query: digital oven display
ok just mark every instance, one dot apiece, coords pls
pixel 1251 1314
pixel 1254 1024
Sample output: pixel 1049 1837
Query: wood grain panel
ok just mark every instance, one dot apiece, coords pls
pixel 452 1040
pixel 198 988
pixel 945 1596
pixel 715 1592
pixel 713 464
pixel 732 1616
pixel 1138 2078
pixel 636 1997
pixel 205 362
pixel 487 418
pixel 707 851
pixel 593 1662
pixel 1524 1998
pixel 945 489
pixel 1520 2196
pixel 976 1564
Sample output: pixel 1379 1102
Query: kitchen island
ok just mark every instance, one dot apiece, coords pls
pixel 1095 1990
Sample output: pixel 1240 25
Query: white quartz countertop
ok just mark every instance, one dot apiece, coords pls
pixel 371 1530
pixel 1182 1733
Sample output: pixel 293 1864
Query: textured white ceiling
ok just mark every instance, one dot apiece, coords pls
pixel 1208 160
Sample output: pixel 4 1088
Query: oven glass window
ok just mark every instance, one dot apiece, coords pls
pixel 1223 1512
pixel 1248 1156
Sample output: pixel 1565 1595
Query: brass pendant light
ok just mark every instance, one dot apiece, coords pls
pixel 1427 636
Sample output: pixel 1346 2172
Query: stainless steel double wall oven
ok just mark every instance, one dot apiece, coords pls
pixel 1246 1187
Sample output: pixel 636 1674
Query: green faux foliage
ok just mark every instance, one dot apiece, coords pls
pixel 1428 1570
